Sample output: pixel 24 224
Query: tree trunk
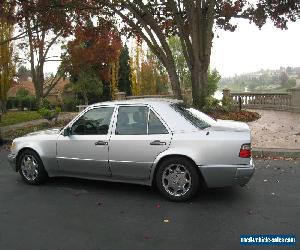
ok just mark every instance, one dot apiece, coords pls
pixel 199 84
pixel 171 69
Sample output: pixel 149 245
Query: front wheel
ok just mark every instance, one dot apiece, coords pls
pixel 31 168
pixel 177 179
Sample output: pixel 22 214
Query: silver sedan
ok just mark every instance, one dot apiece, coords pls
pixel 158 142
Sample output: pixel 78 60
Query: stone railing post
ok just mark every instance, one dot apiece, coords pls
pixel 226 96
pixel 120 96
pixel 295 99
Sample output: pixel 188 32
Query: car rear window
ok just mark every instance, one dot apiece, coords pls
pixel 189 114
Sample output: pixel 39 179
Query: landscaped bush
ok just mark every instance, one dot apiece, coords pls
pixel 46 104
pixel 50 114
pixel 242 115
pixel 69 105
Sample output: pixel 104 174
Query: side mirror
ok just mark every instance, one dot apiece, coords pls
pixel 67 131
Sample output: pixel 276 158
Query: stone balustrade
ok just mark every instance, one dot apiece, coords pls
pixel 278 101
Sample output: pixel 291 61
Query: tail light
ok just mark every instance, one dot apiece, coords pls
pixel 245 151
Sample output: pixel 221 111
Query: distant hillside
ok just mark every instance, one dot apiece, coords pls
pixel 263 80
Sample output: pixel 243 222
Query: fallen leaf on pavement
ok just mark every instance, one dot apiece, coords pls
pixel 249 212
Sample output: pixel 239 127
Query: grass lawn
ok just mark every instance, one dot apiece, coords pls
pixel 15 117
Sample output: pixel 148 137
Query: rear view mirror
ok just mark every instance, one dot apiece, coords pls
pixel 67 131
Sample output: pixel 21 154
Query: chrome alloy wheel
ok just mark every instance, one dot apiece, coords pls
pixel 29 167
pixel 176 179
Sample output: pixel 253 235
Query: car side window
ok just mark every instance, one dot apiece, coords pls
pixel 155 126
pixel 94 122
pixel 132 120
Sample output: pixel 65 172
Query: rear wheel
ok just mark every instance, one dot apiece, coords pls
pixel 31 168
pixel 177 179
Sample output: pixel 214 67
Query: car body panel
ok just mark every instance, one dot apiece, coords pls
pixel 131 158
pixel 77 154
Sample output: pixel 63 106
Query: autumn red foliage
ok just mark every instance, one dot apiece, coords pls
pixel 95 47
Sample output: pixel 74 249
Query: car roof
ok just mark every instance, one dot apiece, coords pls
pixel 147 101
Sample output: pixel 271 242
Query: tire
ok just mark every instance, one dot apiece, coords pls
pixel 177 179
pixel 31 168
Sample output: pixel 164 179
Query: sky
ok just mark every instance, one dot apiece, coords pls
pixel 249 49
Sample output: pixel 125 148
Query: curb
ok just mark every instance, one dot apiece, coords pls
pixel 276 152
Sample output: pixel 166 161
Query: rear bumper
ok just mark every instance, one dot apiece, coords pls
pixel 227 175
pixel 11 158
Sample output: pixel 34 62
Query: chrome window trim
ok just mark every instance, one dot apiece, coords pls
pixel 70 124
pixel 114 126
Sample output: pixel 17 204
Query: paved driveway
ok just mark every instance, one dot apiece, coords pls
pixel 74 214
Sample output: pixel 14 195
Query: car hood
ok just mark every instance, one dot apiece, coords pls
pixel 225 125
pixel 53 131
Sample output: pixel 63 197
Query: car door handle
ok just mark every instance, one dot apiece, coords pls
pixel 157 142
pixel 99 143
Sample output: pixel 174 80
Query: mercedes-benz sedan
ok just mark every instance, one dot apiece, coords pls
pixel 158 142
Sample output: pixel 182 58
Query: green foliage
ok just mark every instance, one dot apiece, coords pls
pixel 291 83
pixel 23 73
pixel 15 117
pixel 69 104
pixel 88 85
pixel 22 100
pixel 45 113
pixel 211 104
pixel 49 114
pixel 213 80
pixel 46 104
pixel 180 62
pixel 124 83
pixel 22 92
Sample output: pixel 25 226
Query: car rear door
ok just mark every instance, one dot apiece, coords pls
pixel 139 135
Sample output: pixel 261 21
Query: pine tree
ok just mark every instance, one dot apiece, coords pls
pixel 124 83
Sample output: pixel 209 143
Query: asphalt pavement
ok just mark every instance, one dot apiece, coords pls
pixel 68 213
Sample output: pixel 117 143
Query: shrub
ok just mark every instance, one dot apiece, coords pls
pixel 46 104
pixel 69 105
pixel 12 102
pixel 211 104
pixel 50 114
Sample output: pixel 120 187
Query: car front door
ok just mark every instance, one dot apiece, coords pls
pixel 138 138
pixel 85 150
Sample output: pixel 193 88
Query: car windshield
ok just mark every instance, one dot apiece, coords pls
pixel 197 118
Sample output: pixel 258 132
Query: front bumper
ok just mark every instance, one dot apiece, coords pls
pixel 12 161
pixel 227 175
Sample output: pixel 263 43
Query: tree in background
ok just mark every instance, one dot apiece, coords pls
pixel 283 79
pixel 7 66
pixel 23 73
pixel 124 83
pixel 88 84
pixel 96 50
pixel 180 63
pixel 184 74
pixel 136 58
pixel 193 20
pixel 39 29
pixel 154 78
